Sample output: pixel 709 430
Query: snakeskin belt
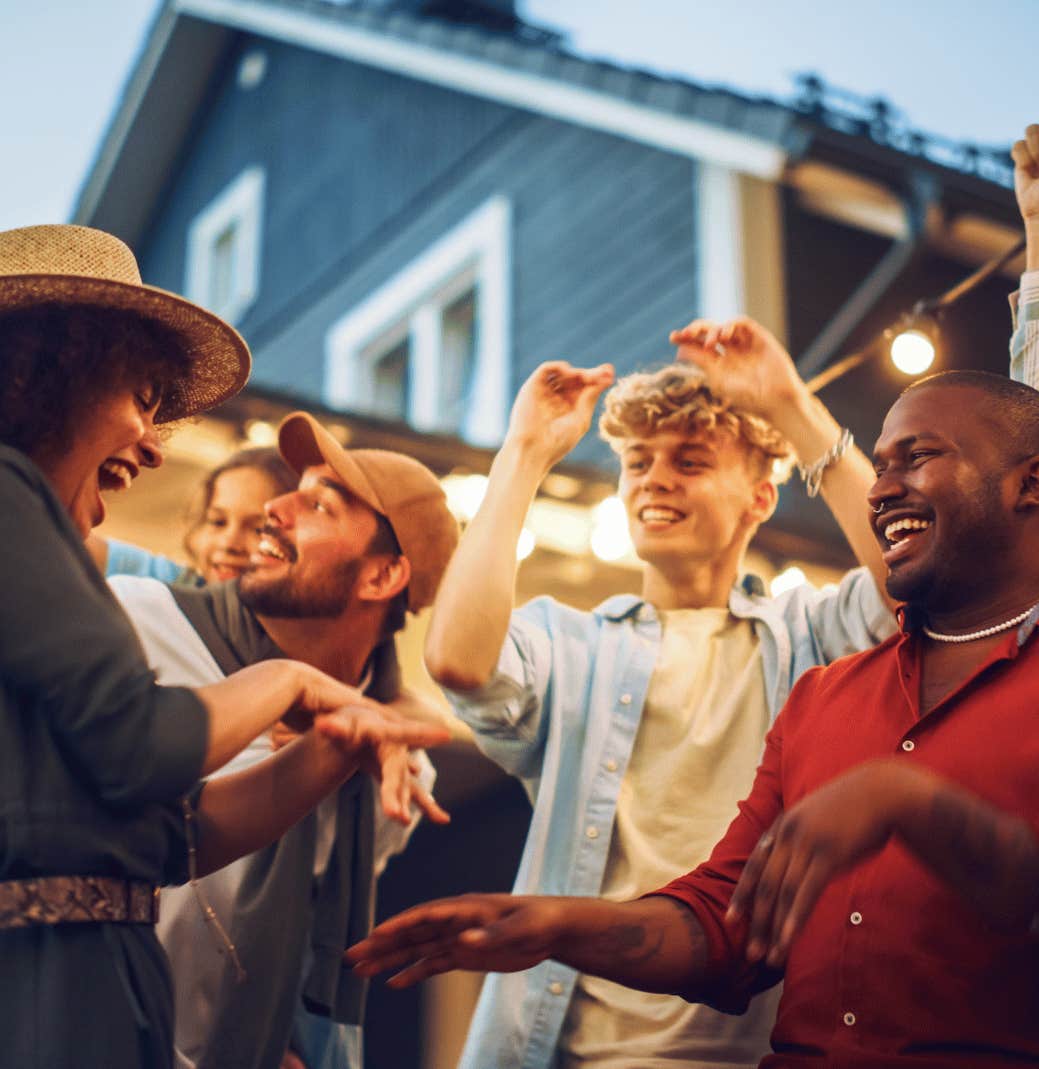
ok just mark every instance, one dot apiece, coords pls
pixel 77 899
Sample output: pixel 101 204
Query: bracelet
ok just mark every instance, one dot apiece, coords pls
pixel 813 473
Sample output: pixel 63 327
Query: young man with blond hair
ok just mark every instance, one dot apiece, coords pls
pixel 636 727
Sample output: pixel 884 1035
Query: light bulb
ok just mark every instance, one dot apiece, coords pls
pixel 912 352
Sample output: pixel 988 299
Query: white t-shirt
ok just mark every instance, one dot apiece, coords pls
pixel 697 748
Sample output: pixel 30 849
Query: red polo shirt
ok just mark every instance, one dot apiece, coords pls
pixel 893 968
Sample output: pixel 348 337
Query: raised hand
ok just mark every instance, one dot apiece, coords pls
pixel 1025 155
pixel 742 362
pixel 500 933
pixel 829 831
pixel 553 409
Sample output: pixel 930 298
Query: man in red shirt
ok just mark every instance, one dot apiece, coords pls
pixel 886 862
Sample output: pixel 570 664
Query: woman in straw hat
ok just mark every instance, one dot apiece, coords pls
pixel 98 765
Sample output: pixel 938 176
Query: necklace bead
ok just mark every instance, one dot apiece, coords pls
pixel 983 633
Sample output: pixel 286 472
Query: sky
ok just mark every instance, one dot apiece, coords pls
pixel 955 67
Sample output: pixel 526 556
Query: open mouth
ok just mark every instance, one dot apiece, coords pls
pixel 900 536
pixel 659 515
pixel 116 474
pixel 271 547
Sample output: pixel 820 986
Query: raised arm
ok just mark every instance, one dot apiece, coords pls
pixel 1024 344
pixel 744 363
pixel 653 944
pixel 552 412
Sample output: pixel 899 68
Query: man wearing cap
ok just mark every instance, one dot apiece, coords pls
pixel 342 559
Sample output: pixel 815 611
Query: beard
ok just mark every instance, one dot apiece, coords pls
pixel 290 597
pixel 950 577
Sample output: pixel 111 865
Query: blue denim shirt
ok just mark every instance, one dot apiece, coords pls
pixel 561 714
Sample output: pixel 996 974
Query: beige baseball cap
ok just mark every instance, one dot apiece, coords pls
pixel 396 486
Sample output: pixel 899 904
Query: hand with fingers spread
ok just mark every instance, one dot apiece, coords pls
pixel 743 362
pixel 381 740
pixel 500 933
pixel 823 835
pixel 1025 155
pixel 553 409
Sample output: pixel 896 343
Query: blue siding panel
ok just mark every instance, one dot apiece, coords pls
pixel 365 170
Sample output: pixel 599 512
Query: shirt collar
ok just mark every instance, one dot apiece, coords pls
pixel 621 606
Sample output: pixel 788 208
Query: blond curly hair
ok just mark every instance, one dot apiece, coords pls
pixel 676 399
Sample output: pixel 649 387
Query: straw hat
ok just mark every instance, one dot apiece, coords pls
pixel 396 486
pixel 76 265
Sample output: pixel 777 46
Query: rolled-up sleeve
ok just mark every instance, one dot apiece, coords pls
pixel 1024 342
pixel 66 646
pixel 507 712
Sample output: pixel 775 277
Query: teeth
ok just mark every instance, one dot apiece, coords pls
pixel 657 514
pixel 269 548
pixel 117 471
pixel 893 529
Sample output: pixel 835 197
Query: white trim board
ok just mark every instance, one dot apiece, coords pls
pixel 240 203
pixel 559 100
pixel 476 252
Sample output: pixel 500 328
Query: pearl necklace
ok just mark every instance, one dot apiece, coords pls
pixel 983 633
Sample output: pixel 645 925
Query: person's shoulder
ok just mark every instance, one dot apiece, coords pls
pixel 17 468
pixel 549 611
pixel 853 667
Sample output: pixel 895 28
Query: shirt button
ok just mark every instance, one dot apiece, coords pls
pixel 856 917
pixel 908 745
pixel 555 987
pixel 849 1019
pixel 611 765
pixel 625 699
pixel 592 833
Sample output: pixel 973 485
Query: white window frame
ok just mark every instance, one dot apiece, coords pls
pixel 475 254
pixel 239 205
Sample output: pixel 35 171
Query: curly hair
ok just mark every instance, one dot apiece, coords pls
pixel 60 360
pixel 676 399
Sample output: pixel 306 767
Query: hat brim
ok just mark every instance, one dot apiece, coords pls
pixel 219 356
pixel 304 443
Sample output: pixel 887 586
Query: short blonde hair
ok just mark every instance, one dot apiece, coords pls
pixel 676 399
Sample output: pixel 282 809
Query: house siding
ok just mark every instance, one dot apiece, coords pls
pixel 365 170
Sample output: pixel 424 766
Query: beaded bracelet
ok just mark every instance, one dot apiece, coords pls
pixel 813 473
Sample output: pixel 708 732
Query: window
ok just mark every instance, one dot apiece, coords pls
pixel 223 260
pixel 431 346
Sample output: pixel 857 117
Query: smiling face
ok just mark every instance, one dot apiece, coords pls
pixel 229 531
pixel 310 551
pixel 691 499
pixel 946 494
pixel 109 447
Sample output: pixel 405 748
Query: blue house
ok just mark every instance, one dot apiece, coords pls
pixel 407 205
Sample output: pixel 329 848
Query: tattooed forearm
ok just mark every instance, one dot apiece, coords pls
pixel 631 943
pixel 653 944
pixel 988 856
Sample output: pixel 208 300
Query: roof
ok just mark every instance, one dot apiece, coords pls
pixel 522 65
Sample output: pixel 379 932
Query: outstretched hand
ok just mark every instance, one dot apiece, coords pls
pixel 553 409
pixel 499 933
pixel 381 741
pixel 742 362
pixel 823 835
pixel 1025 155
